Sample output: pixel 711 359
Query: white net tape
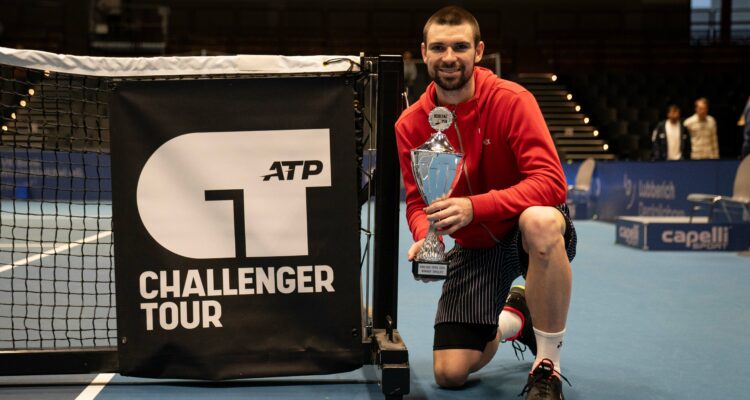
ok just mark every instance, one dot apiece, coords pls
pixel 166 66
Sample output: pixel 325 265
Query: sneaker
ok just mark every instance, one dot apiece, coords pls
pixel 544 383
pixel 516 303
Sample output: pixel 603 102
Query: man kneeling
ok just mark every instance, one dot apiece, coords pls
pixel 507 213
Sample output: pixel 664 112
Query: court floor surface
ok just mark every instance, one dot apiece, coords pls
pixel 642 325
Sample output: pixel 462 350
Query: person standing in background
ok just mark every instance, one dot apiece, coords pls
pixel 703 137
pixel 410 76
pixel 670 139
pixel 746 131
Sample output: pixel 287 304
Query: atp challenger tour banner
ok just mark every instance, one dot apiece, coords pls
pixel 235 212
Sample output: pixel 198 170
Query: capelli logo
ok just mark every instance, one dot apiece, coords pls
pixel 717 238
pixel 630 235
pixel 199 195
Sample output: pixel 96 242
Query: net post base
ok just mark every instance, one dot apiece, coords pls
pixel 392 359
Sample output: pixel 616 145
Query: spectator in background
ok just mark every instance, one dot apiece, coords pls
pixel 704 141
pixel 410 75
pixel 670 139
pixel 746 132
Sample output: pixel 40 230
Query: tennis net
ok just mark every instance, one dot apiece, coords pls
pixel 57 286
pixel 56 261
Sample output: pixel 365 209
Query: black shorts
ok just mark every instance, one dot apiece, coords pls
pixel 477 285
pixel 455 335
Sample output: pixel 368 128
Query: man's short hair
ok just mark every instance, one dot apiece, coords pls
pixel 453 15
pixel 703 100
pixel 673 107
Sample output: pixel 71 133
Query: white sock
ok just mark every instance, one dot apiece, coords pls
pixel 548 345
pixel 509 324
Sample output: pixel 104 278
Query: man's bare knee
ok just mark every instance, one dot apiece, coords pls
pixel 542 229
pixel 450 376
pixel 452 366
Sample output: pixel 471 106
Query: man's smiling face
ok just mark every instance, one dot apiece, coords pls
pixel 450 55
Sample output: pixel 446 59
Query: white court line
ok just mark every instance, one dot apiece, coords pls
pixel 26 245
pixel 96 386
pixel 58 249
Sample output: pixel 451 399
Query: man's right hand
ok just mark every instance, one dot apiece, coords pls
pixel 414 250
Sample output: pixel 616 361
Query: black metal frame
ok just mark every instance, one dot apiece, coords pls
pixel 382 346
pixel 385 289
pixel 389 351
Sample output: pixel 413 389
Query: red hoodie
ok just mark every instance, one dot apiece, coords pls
pixel 509 157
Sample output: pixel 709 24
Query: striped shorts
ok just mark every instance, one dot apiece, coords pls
pixel 479 280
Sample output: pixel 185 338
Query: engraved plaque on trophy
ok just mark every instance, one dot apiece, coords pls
pixel 436 167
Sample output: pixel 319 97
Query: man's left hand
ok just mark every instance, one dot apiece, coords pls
pixel 451 214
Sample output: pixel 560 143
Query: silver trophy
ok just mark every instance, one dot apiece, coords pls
pixel 436 168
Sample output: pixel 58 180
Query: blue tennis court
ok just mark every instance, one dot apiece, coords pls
pixel 647 325
pixel 56 275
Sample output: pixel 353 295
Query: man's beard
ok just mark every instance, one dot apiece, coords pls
pixel 456 84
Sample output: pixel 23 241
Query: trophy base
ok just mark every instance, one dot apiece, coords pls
pixel 429 269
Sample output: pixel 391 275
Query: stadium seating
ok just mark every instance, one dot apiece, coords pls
pixel 626 105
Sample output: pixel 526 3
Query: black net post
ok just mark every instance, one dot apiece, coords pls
pixel 389 106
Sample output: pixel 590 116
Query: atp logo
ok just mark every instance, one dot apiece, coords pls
pixel 309 167
pixel 213 195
